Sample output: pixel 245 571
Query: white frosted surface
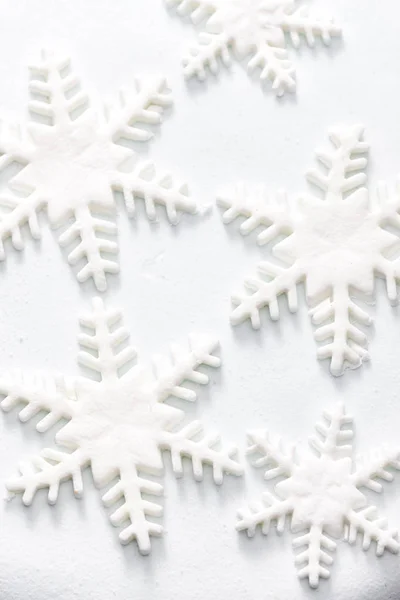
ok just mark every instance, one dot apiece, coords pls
pixel 177 280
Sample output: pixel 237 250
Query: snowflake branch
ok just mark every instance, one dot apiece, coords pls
pixel 299 22
pixel 271 213
pixel 271 509
pixel 170 377
pixel 211 50
pixel 200 451
pixel 331 434
pixel 60 93
pixel 314 556
pixel 375 465
pixel 265 293
pixel 279 460
pixel 105 341
pixel 135 509
pixel 197 10
pixel 341 164
pixel 347 341
pixel 275 66
pixel 145 183
pixel 138 106
pixel 372 528
pixel 55 395
pixel 14 145
pixel 91 247
pixel 18 212
pixel 48 470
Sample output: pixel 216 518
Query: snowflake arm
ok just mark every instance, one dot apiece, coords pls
pixel 372 527
pixel 138 106
pixel 105 341
pixel 211 50
pixel 342 164
pixel 14 145
pixel 200 451
pixel 54 395
pixel 146 183
pixel 272 214
pixel 279 460
pixel 299 22
pixel 91 247
pixel 274 64
pixel 375 465
pixel 330 434
pixel 135 508
pixel 271 509
pixel 48 470
pixel 347 341
pixel 265 293
pixel 170 375
pixel 15 213
pixel 315 555
pixel 59 95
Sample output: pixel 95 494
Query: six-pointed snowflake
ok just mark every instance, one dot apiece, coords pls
pixel 320 492
pixel 119 425
pixel 251 27
pixel 73 164
pixel 335 245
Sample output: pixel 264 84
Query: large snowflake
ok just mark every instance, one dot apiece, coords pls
pixel 119 425
pixel 73 164
pixel 334 244
pixel 320 492
pixel 252 27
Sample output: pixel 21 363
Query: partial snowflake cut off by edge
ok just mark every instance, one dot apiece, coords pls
pixel 120 426
pixel 319 492
pixel 73 165
pixel 335 244
pixel 258 29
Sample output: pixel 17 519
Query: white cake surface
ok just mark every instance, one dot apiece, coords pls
pixel 177 280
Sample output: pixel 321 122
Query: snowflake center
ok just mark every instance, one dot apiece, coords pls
pixel 322 492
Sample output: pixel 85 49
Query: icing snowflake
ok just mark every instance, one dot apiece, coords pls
pixel 119 425
pixel 73 164
pixel 251 27
pixel 320 492
pixel 335 245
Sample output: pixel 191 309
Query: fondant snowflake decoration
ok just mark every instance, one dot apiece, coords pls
pixel 119 425
pixel 320 492
pixel 335 245
pixel 73 164
pixel 251 27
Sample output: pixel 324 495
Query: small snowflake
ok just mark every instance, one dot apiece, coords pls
pixel 73 164
pixel 335 245
pixel 251 27
pixel 119 425
pixel 320 492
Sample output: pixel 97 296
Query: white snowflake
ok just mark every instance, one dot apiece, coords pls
pixel 73 164
pixel 251 27
pixel 320 492
pixel 335 245
pixel 119 425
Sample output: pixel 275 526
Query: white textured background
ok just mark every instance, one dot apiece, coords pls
pixel 174 281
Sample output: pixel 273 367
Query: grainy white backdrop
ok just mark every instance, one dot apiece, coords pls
pixel 177 280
